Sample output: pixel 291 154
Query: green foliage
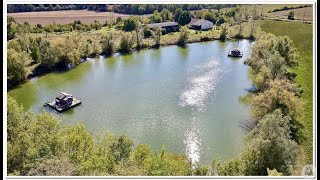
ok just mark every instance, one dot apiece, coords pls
pixel 156 17
pixel 273 172
pixel 38 145
pixel 280 94
pixel 210 17
pixel 220 20
pixel 302 37
pixel 17 66
pixel 130 24
pixel 166 164
pixel 108 44
pixel 223 32
pixel 233 167
pixel 270 146
pixel 126 43
pixel 52 167
pixel 11 30
pixel 48 55
pixel 184 18
pixel 166 15
pixel 156 35
pixel 271 58
pixel 184 35
pixel 291 15
pixel 146 32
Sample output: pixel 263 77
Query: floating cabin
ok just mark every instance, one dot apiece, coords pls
pixel 235 53
pixel 63 102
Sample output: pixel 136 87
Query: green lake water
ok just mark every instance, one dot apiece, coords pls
pixel 184 98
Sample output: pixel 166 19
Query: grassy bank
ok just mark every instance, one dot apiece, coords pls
pixel 301 34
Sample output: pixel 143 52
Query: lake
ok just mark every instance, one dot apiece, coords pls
pixel 185 98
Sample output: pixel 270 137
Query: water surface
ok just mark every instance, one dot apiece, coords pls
pixel 184 98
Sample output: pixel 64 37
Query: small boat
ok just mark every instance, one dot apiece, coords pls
pixel 63 102
pixel 235 53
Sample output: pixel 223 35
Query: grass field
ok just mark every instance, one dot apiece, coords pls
pixel 306 12
pixel 301 34
pixel 64 17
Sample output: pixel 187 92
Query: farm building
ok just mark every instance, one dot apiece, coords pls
pixel 200 24
pixel 168 26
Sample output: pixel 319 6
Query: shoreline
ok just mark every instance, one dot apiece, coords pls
pixel 39 74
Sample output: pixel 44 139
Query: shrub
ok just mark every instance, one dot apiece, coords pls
pixel 184 35
pixel 126 43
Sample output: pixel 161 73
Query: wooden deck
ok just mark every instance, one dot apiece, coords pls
pixel 53 105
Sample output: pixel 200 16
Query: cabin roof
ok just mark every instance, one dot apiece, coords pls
pixel 63 96
pixel 163 24
pixel 197 22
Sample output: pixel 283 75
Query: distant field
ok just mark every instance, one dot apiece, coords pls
pixel 64 17
pixel 301 35
pixel 298 14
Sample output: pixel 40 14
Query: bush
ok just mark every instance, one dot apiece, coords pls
pixel 108 44
pixel 223 32
pixel 146 32
pixel 130 24
pixel 17 66
pixel 126 43
pixel 184 35
pixel 291 15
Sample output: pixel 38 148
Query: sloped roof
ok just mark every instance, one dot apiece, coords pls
pixel 163 24
pixel 197 22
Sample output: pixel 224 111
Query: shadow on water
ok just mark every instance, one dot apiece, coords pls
pixel 183 51
pixel 111 62
pixel 28 96
pixel 58 79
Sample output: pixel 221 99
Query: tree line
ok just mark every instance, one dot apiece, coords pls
pixel 272 145
pixel 136 9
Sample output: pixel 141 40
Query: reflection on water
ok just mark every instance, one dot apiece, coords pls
pixel 193 143
pixel 202 82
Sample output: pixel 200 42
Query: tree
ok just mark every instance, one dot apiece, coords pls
pixel 11 30
pixel 34 49
pixel 273 172
pixel 238 17
pixel 121 148
pixel 184 18
pixel 155 17
pixel 17 66
pixel 108 45
pixel 209 16
pixel 223 32
pixel 130 24
pixel 184 35
pixel 220 21
pixel 252 28
pixel 291 15
pixel 156 35
pixel 48 55
pixel 126 43
pixel 280 94
pixel 139 36
pixel 166 15
pixel 52 167
pixel 270 146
